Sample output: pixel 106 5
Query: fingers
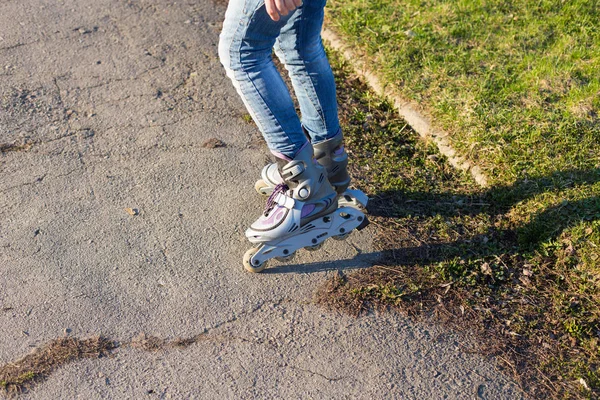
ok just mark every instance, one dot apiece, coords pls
pixel 287 7
pixel 272 9
pixel 275 8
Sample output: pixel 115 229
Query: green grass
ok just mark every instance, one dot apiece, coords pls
pixel 515 83
pixel 516 263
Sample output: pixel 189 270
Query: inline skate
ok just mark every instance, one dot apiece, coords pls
pixel 331 155
pixel 302 212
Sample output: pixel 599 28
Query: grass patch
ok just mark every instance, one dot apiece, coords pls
pixel 153 343
pixel 18 376
pixel 515 83
pixel 6 147
pixel 516 263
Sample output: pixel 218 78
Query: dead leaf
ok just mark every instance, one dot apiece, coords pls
pixel 213 143
pixel 132 211
pixel 485 269
pixel 570 250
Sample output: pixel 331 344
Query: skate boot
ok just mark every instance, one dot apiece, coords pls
pixel 331 155
pixel 302 211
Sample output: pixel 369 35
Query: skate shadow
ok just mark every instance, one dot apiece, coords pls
pixel 491 204
pixel 360 261
pixel 544 224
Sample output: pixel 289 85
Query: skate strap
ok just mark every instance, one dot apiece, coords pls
pixel 285 201
pixel 293 171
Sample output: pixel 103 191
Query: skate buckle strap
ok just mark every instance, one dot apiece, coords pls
pixel 294 170
pixel 285 201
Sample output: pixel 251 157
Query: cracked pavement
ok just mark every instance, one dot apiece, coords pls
pixel 104 106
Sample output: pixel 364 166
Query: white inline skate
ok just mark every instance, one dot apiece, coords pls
pixel 331 155
pixel 302 212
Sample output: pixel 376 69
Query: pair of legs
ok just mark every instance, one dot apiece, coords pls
pixel 307 183
pixel 245 48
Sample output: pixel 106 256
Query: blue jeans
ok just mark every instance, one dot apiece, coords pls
pixel 245 49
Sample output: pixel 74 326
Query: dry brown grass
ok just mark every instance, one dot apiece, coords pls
pixel 6 147
pixel 20 375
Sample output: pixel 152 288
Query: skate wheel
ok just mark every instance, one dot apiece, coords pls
pixel 247 261
pixel 315 247
pixel 261 187
pixel 343 236
pixel 286 258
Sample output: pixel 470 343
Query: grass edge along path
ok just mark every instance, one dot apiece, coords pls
pixel 514 84
pixel 409 110
pixel 509 263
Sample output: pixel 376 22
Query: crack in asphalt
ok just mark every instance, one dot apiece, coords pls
pixel 118 80
pixel 15 46
pixel 317 373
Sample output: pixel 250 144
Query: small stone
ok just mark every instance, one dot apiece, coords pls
pixel 410 34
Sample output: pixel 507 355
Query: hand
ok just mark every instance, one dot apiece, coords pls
pixel 275 8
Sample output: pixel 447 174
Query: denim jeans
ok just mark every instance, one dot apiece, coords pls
pixel 245 49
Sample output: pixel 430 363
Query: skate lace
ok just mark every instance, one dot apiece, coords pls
pixel 280 188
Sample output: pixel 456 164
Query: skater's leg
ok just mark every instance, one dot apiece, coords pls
pixel 302 210
pixel 245 50
pixel 300 48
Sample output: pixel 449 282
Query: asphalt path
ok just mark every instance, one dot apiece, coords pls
pixel 116 219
